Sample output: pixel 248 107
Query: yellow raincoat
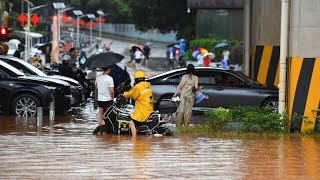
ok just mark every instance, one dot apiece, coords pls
pixel 142 94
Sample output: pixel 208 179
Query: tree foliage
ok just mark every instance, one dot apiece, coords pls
pixel 165 15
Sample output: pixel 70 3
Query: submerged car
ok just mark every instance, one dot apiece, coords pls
pixel 21 95
pixel 225 88
pixel 77 90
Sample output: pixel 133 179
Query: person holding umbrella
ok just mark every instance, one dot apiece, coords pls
pixel 105 86
pixel 104 82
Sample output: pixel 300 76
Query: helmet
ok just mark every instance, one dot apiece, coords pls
pixel 139 74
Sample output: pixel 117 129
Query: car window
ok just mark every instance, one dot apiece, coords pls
pixel 8 72
pixel 21 67
pixel 226 79
pixel 205 78
pixel 174 79
pixel 2 74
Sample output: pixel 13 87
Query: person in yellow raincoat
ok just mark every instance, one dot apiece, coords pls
pixel 143 97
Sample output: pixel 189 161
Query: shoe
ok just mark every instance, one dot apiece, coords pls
pixel 103 129
pixel 97 130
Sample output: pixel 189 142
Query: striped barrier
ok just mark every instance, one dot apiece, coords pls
pixel 265 65
pixel 304 93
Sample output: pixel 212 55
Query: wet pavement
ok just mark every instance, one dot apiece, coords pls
pixel 68 150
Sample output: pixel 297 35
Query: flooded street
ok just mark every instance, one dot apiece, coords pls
pixel 68 150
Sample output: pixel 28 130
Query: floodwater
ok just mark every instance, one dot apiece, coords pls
pixel 68 150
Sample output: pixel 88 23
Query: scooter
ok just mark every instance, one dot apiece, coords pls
pixel 117 118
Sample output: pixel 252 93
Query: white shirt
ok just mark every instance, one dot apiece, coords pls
pixel 226 55
pixel 138 54
pixel 103 83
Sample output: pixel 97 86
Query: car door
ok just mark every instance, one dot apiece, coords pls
pixel 4 91
pixel 230 90
pixel 207 82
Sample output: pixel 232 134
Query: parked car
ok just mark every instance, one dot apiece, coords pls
pixel 21 95
pixel 77 91
pixel 225 88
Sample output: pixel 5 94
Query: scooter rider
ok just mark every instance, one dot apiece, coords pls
pixel 143 97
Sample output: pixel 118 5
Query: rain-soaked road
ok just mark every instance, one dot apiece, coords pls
pixel 68 150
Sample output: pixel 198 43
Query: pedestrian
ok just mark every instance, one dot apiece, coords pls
pixel 226 54
pixel 48 56
pixel 188 85
pixel 200 60
pixel 82 58
pixel 143 98
pixel 5 49
pixel 171 57
pixel 137 58
pixel 74 59
pixel 105 86
pixel 105 48
pixel 131 52
pixel 206 61
pixel 224 64
pixel 62 52
pixel 146 50
pixel 64 68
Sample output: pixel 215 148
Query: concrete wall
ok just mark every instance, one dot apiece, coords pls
pixel 265 22
pixel 304 28
pixel 129 30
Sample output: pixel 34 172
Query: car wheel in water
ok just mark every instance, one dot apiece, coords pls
pixel 272 104
pixel 25 105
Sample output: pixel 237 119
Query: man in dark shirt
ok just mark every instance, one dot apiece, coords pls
pixel 64 69
pixel 73 60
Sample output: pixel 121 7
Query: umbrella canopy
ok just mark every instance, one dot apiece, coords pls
pixel 199 51
pixel 103 60
pixel 121 78
pixel 171 45
pixel 221 45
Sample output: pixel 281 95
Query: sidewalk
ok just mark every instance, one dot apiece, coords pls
pixel 125 64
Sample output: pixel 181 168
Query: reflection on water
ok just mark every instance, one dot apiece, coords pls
pixel 69 150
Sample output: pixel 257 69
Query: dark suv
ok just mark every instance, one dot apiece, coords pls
pixel 77 91
pixel 21 95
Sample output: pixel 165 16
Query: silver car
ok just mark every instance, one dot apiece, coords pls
pixel 225 88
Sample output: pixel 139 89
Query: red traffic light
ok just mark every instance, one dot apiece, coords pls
pixel 3 33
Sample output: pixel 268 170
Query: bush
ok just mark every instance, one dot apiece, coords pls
pixel 252 119
pixel 218 119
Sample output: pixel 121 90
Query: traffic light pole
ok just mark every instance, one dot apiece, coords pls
pixel 26 50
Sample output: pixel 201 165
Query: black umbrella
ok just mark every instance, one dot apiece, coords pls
pixel 171 45
pixel 121 79
pixel 103 60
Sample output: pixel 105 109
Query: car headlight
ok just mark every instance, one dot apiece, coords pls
pixel 51 87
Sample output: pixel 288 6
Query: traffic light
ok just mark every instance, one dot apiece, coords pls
pixel 3 34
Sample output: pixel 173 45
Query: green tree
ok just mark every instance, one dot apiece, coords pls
pixel 165 15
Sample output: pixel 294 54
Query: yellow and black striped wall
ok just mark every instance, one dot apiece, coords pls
pixel 304 93
pixel 303 84
pixel 265 64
